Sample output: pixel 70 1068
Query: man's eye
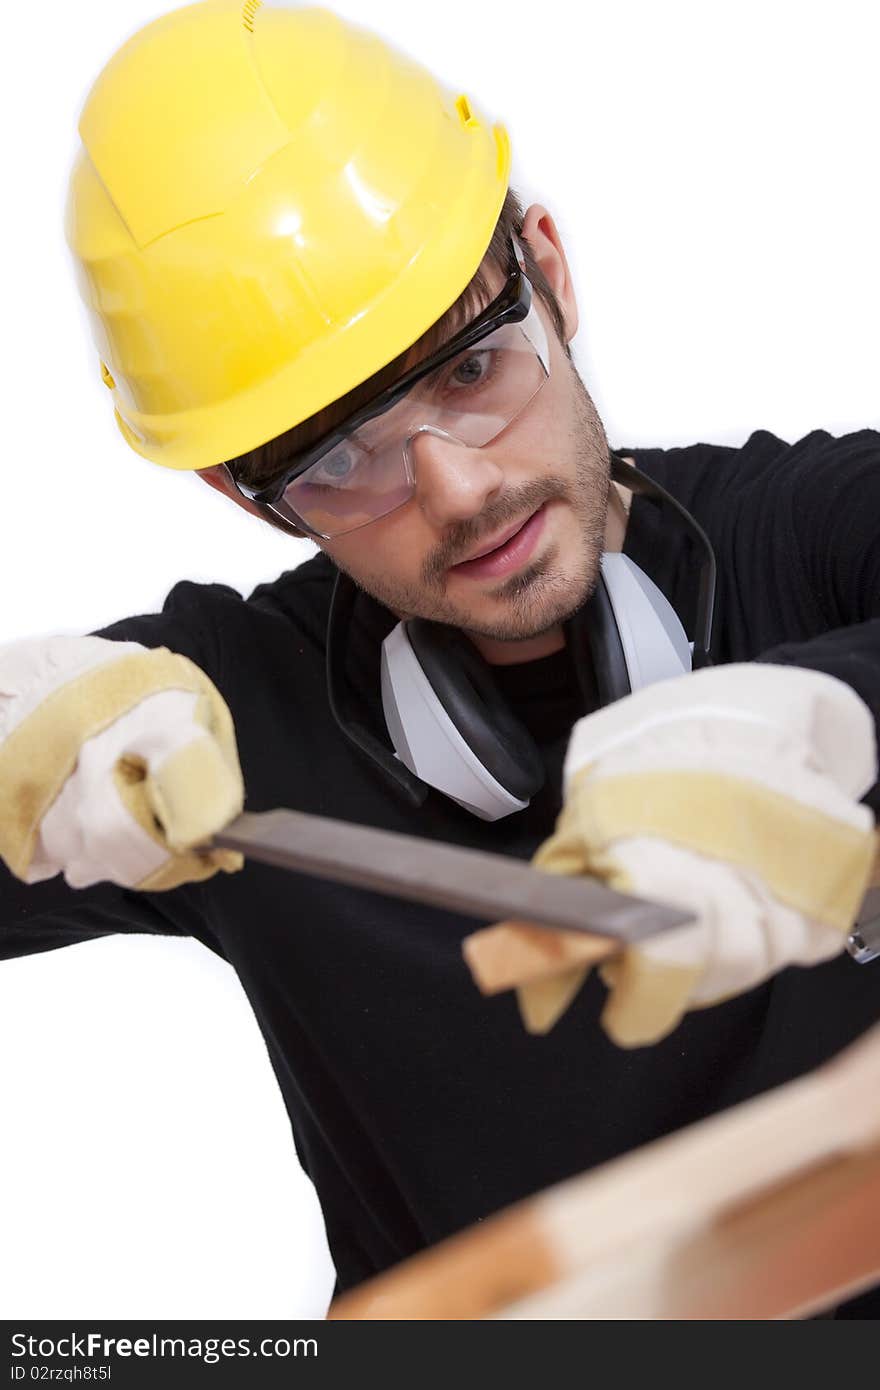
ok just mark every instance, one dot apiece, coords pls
pixel 336 468
pixel 470 370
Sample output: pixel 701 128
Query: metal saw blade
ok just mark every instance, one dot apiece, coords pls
pixel 472 882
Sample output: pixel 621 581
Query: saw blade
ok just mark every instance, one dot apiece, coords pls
pixel 471 882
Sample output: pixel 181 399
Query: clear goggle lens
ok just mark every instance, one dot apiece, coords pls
pixel 471 398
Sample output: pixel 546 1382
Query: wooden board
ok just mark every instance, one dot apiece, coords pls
pixel 769 1209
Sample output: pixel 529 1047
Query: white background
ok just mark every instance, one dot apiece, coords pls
pixel 713 172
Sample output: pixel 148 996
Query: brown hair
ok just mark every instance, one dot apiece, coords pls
pixel 259 466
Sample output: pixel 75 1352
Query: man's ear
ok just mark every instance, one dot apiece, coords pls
pixel 217 477
pixel 545 244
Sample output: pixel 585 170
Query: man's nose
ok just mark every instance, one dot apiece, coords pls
pixel 452 481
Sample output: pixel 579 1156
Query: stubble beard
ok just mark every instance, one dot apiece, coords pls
pixel 548 590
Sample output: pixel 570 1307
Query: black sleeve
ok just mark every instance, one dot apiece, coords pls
pixel 42 916
pixel 796 528
pixel 832 493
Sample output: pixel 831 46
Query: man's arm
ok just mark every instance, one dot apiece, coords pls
pixel 796 528
pixel 832 497
pixel 737 792
pixel 48 912
pixel 43 916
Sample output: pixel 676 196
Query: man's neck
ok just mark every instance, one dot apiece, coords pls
pixel 553 640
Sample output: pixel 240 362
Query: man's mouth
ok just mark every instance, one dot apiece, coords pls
pixel 505 553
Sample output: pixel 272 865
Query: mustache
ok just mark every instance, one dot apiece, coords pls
pixel 512 506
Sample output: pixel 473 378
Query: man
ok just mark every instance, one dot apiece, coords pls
pixel 351 327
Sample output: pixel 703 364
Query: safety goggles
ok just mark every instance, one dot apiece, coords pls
pixel 468 392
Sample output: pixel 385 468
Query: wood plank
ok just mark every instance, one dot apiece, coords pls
pixel 674 1195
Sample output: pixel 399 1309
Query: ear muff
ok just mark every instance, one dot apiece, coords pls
pixel 463 684
pixel 448 723
pixel 594 630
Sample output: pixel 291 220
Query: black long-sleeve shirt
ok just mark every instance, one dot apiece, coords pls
pixel 417 1105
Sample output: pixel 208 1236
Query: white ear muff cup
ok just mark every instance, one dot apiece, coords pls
pixel 649 633
pixel 463 684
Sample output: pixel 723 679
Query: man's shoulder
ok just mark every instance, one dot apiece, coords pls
pixel 703 474
pixel 207 621
pixel 308 585
pixel 688 462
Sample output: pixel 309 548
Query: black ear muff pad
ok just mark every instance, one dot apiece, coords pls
pixel 463 684
pixel 598 626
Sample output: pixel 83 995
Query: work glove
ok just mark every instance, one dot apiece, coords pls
pixel 731 793
pixel 116 760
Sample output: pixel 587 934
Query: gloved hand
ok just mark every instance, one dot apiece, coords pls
pixel 732 793
pixel 115 760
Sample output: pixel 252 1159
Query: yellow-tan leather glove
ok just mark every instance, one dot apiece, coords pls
pixel 115 761
pixel 732 793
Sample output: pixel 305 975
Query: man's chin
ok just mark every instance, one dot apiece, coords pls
pixel 539 597
pixel 531 603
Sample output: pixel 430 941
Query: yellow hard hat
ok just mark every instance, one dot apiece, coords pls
pixel 270 205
